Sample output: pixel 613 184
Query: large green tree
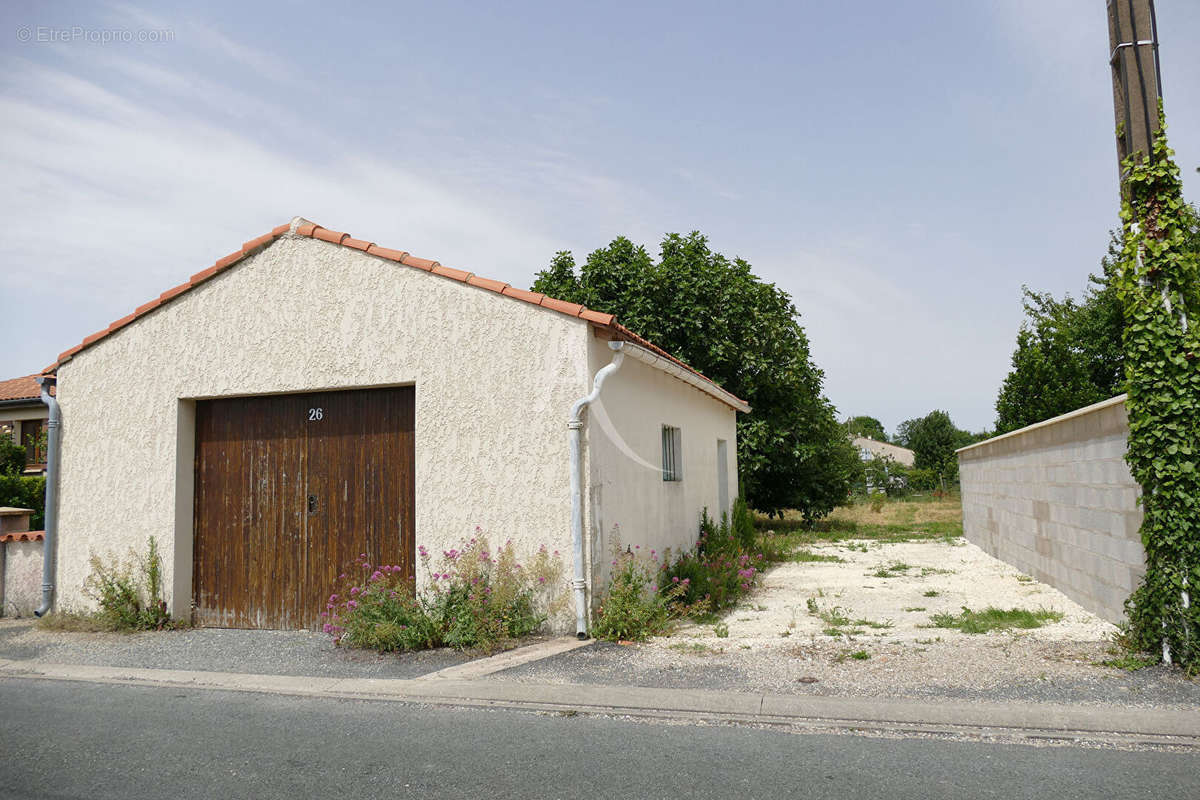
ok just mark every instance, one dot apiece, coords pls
pixel 717 316
pixel 1069 353
pixel 933 439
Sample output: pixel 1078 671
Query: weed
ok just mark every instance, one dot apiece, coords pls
pixel 129 596
pixel 914 608
pixel 806 556
pixel 1130 662
pixel 860 655
pixel 928 641
pixel 993 619
pixel 721 630
pixel 811 604
pixel 692 647
pixel 895 569
pixel 931 593
pixel 477 598
pixel 785 634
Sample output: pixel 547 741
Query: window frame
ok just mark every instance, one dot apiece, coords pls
pixel 672 454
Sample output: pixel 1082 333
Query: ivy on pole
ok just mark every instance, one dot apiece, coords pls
pixel 1159 287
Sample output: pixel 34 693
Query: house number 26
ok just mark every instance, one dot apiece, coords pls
pixel 315 414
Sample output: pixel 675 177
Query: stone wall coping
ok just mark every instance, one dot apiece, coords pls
pixel 1079 412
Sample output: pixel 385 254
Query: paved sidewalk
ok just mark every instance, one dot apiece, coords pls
pixel 1006 721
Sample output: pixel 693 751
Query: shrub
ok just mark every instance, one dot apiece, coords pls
pixel 383 614
pixel 25 492
pixel 483 599
pixel 12 455
pixel 129 592
pixel 476 599
pixel 717 572
pixel 633 607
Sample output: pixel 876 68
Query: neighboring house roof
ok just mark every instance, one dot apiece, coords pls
pixel 302 227
pixel 21 391
pixel 897 453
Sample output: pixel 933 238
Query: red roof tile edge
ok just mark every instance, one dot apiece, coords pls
pixel 313 231
pixel 23 536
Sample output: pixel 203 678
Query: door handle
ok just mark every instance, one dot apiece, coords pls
pixel 312 504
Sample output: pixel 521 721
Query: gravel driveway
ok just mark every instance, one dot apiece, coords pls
pixel 800 630
pixel 218 650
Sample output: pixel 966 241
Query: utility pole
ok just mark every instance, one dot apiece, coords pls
pixel 1137 80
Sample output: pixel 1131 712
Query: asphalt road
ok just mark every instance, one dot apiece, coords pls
pixel 76 740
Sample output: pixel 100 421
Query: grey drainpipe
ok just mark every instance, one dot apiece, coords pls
pixel 52 426
pixel 575 428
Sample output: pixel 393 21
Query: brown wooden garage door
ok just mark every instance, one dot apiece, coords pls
pixel 290 489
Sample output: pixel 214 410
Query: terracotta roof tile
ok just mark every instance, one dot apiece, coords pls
pixel 229 260
pixel 426 264
pixel 261 241
pixel 524 294
pixel 122 322
pixel 174 291
pixel 385 252
pixel 23 388
pixel 357 244
pixel 598 317
pixel 450 272
pixel 571 309
pixel 23 536
pixel 326 235
pixel 487 283
pixel 203 275
pixel 312 230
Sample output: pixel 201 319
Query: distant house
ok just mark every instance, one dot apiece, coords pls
pixel 867 448
pixel 23 418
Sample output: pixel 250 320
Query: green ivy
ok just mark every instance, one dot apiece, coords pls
pixel 1159 288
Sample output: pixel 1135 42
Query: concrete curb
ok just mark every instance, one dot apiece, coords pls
pixel 1156 727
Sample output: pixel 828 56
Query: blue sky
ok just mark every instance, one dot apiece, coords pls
pixel 900 168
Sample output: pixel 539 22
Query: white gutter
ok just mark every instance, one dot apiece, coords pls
pixel 575 432
pixel 687 376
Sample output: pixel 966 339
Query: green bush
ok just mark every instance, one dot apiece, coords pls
pixel 12 455
pixel 477 599
pixel 130 592
pixel 719 570
pixel 25 492
pixel 633 608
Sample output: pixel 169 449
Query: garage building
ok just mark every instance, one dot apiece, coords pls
pixel 313 396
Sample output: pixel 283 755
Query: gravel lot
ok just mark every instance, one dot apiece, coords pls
pixel 218 650
pixel 776 642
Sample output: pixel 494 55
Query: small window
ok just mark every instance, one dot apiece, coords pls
pixel 672 454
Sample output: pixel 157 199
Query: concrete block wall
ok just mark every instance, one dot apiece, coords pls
pixel 1056 500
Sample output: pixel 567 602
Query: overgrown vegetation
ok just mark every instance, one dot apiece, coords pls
pixel 744 333
pixel 647 592
pixel 128 593
pixel 477 598
pixel 1159 288
pixel 911 518
pixel 995 619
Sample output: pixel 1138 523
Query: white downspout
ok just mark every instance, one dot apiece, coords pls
pixel 575 432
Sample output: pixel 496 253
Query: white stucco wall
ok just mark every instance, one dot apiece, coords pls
pixel 495 378
pixel 624 452
pixel 22 578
